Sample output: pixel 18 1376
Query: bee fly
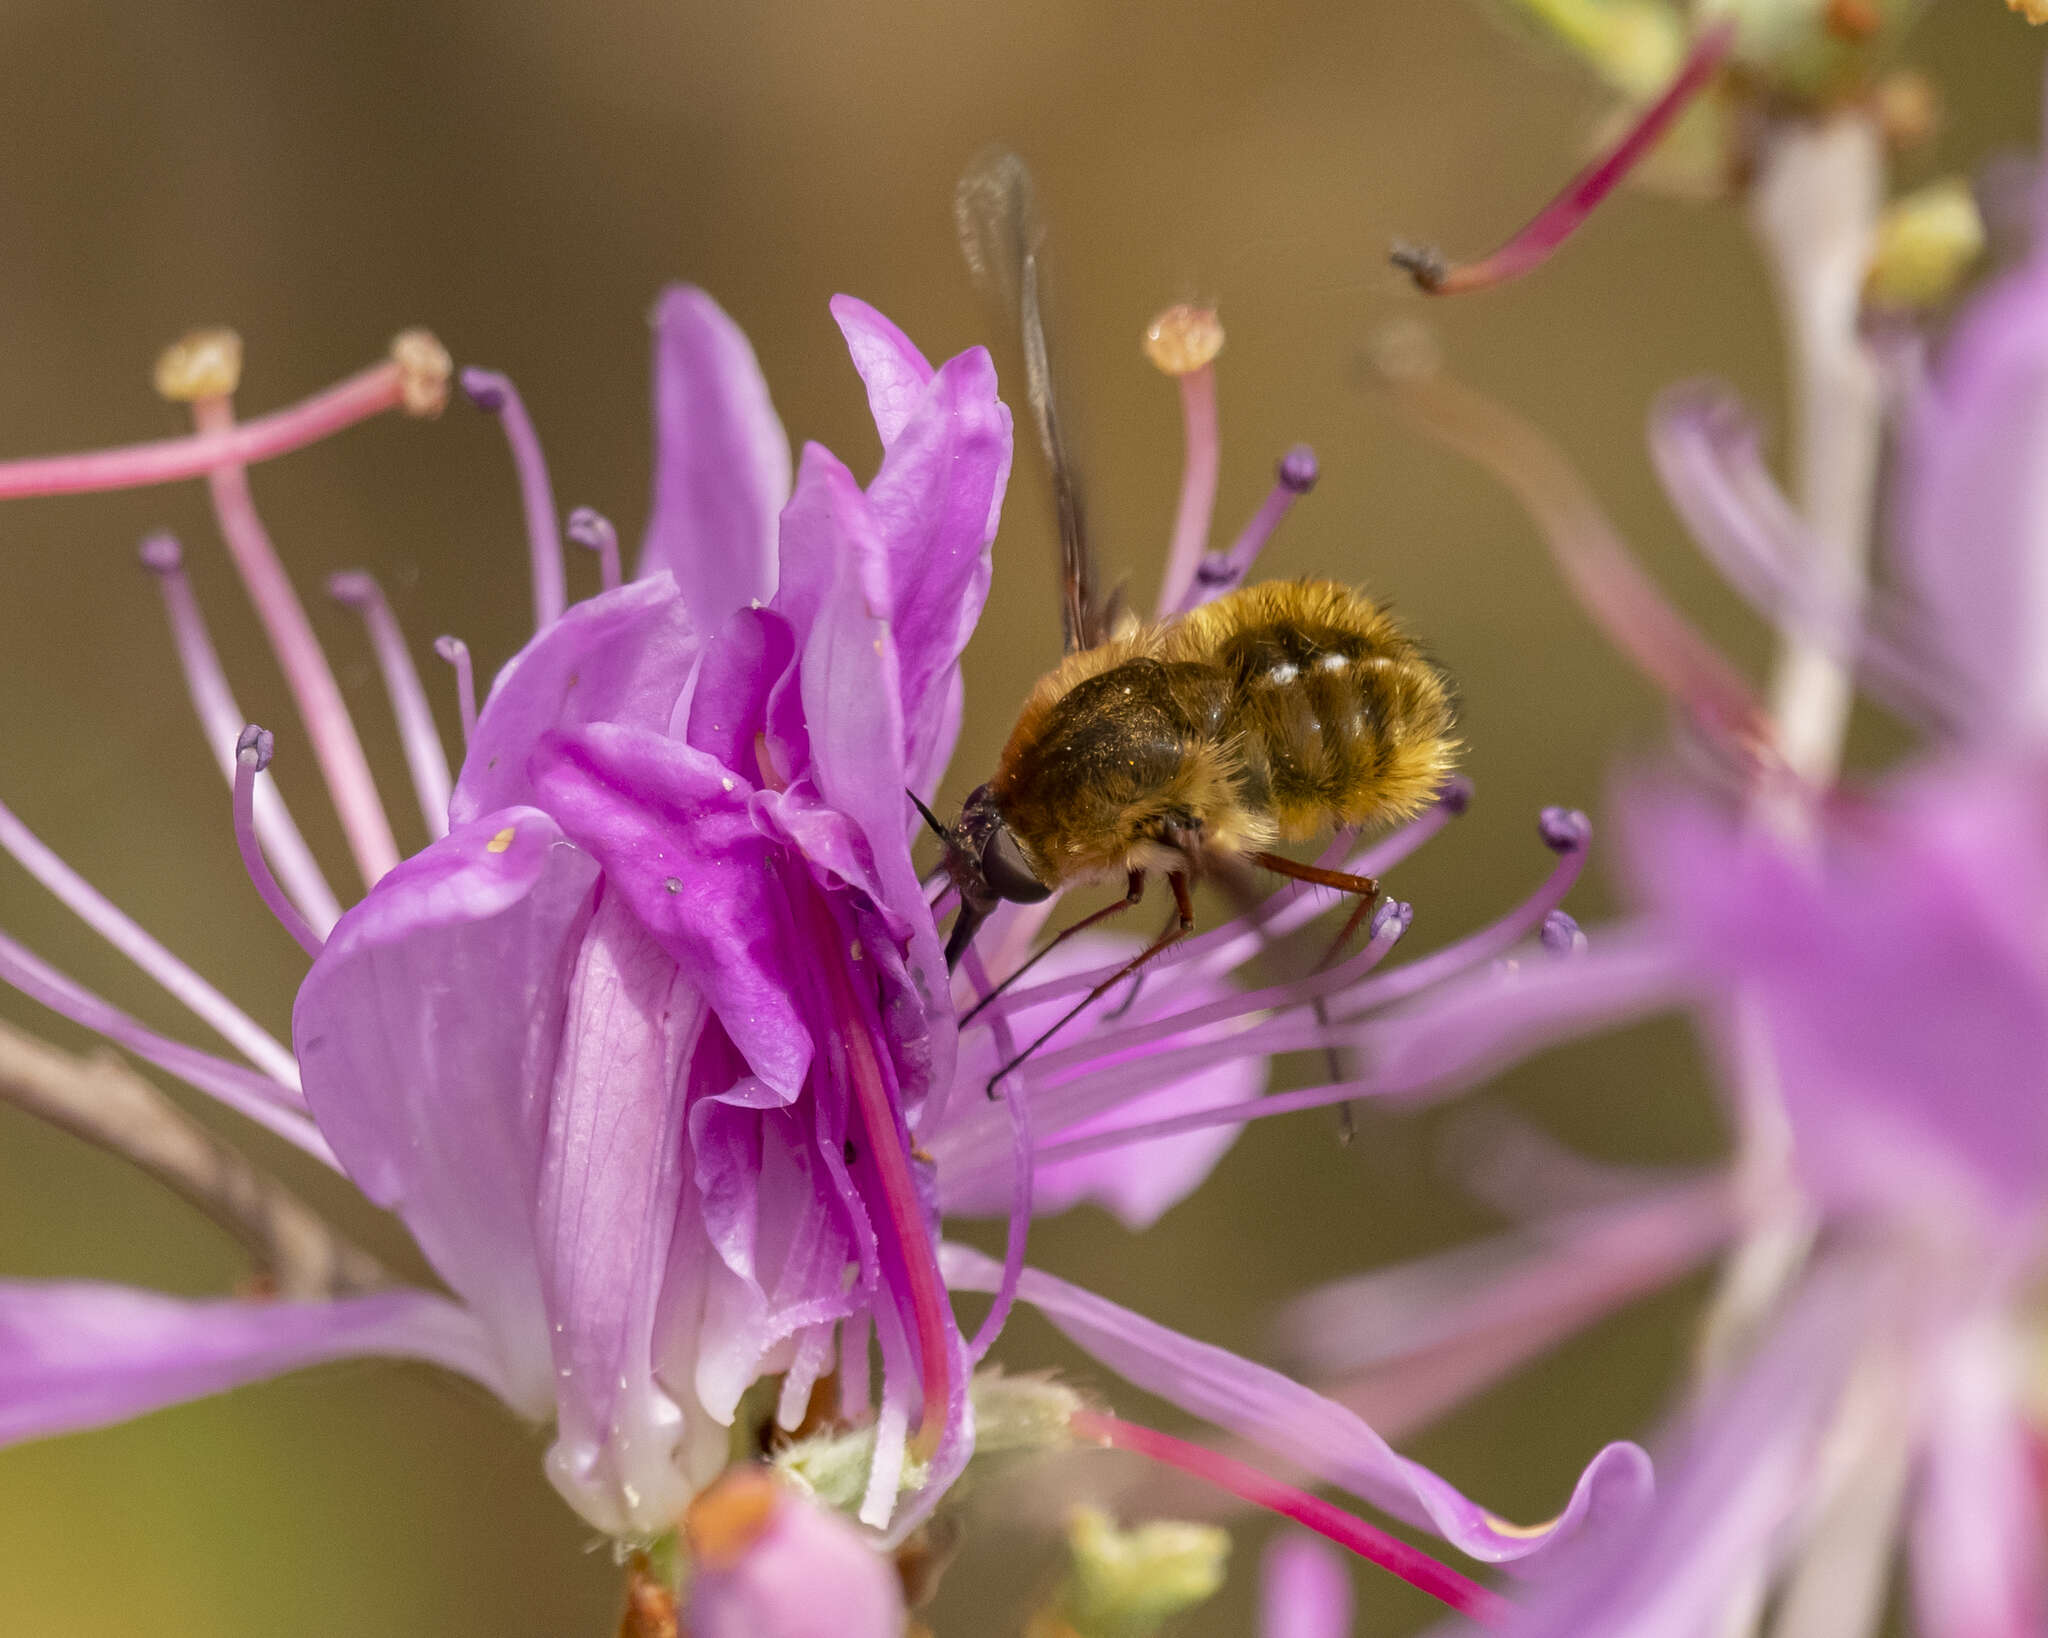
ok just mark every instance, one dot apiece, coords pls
pixel 1192 745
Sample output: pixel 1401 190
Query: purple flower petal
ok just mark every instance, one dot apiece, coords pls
pixel 936 503
pixel 672 831
pixel 1304 1589
pixel 1980 1568
pixel 1973 505
pixel 1302 1426
pixel 624 657
pixel 721 461
pixel 891 368
pixel 428 1032
pixel 730 704
pixel 626 1454
pixel 1730 1489
pixel 1900 974
pixel 792 1570
pixel 75 1355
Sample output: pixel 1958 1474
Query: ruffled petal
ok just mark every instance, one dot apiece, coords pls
pixel 626 1455
pixel 721 461
pixel 672 830
pixel 936 503
pixel 1303 1427
pixel 625 656
pixel 891 368
pixel 428 1033
pixel 77 1355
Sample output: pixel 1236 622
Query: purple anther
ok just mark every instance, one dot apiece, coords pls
pixel 254 747
pixel 1392 919
pixel 486 389
pixel 1561 935
pixel 1564 830
pixel 161 553
pixel 456 652
pixel 1298 470
pixel 1219 572
pixel 1454 796
pixel 591 529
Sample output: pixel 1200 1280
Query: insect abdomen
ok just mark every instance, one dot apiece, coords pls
pixel 1337 717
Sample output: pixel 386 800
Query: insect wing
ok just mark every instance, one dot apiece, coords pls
pixel 997 216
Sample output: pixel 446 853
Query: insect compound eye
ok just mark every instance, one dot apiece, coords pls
pixel 1004 869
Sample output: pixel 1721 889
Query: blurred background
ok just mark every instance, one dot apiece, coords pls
pixel 524 178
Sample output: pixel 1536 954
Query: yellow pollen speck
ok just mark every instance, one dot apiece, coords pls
pixel 202 364
pixel 1184 339
pixel 501 841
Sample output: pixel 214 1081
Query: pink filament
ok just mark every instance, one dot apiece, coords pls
pixel 321 708
pixel 253 1096
pixel 1197 487
pixel 424 754
pixel 494 392
pixel 456 652
pixel 1561 218
pixel 205 1002
pixel 252 756
pixel 220 722
pixel 1347 1530
pixel 167 460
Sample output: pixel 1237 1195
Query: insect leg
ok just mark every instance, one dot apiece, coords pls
pixel 1366 890
pixel 1183 923
pixel 1134 890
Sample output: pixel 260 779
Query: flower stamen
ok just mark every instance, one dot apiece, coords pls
pixel 1548 229
pixel 220 723
pixel 1219 572
pixel 425 756
pixel 1183 342
pixel 253 751
pixel 456 652
pixel 490 391
pixel 591 529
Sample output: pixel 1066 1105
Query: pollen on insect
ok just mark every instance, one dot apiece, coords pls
pixel 501 841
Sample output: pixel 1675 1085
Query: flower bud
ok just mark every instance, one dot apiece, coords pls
pixel 1926 243
pixel 1128 1583
pixel 769 1564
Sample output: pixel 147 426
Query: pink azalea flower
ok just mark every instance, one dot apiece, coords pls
pixel 653 1048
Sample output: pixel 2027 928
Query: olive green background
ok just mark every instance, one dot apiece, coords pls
pixel 524 178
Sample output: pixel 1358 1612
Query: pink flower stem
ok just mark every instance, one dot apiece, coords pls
pixel 252 755
pixel 167 460
pixel 1561 218
pixel 1328 1520
pixel 1197 486
pixel 328 725
pixel 1023 1170
pixel 492 392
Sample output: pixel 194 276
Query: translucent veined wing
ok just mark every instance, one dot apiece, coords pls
pixel 1000 233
